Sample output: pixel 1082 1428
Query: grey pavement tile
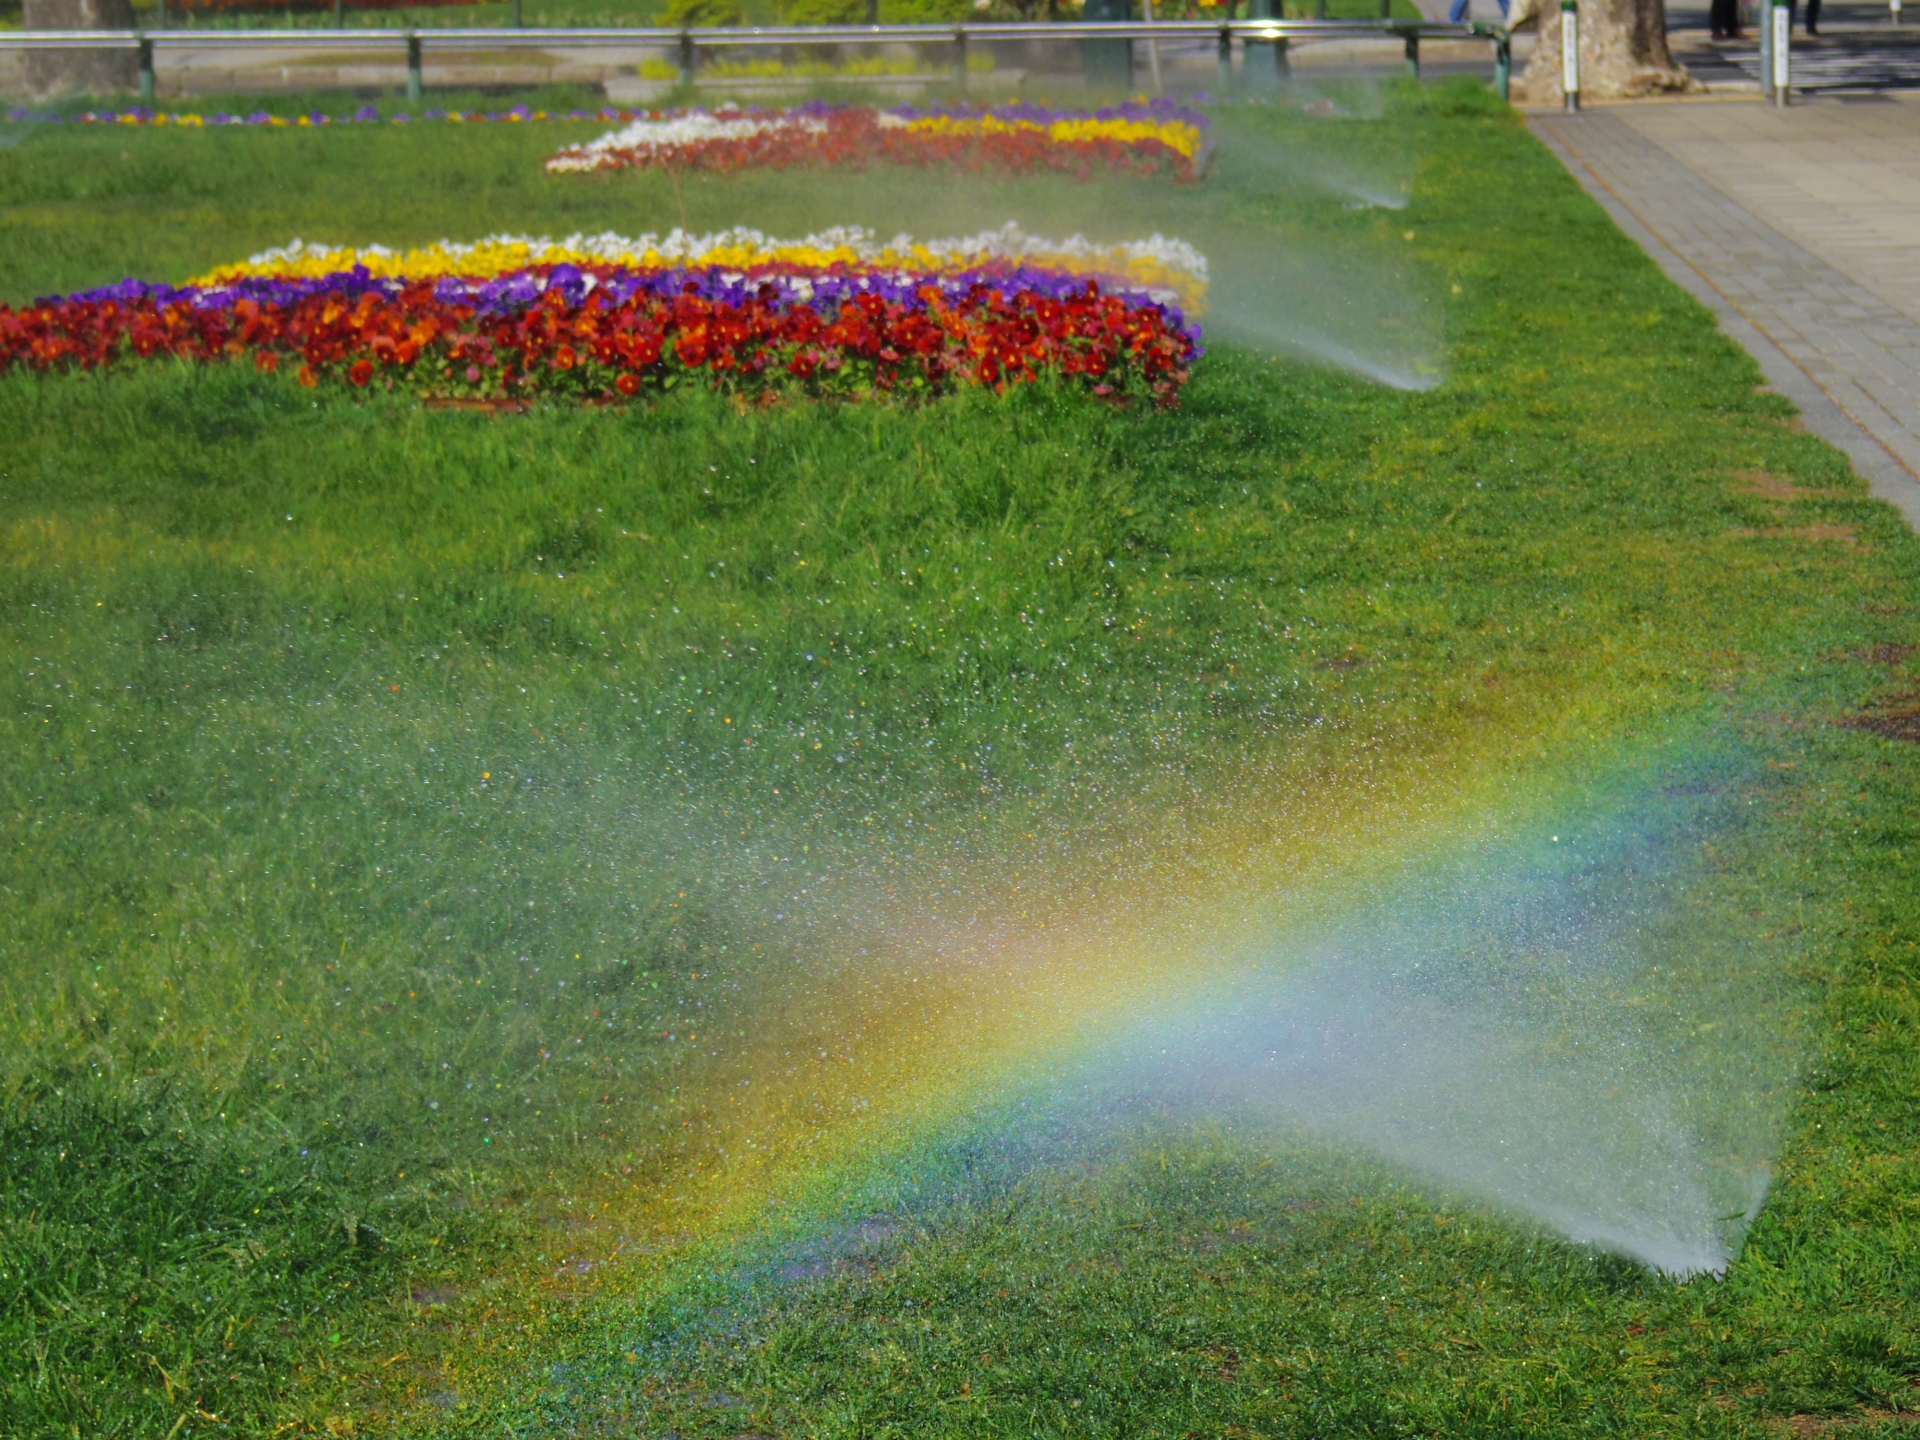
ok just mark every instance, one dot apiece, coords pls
pixel 1820 295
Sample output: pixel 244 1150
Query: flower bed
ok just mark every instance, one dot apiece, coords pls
pixel 295 7
pixel 1155 137
pixel 611 330
pixel 365 115
pixel 1169 271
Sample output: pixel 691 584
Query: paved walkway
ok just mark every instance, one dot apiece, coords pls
pixel 1800 229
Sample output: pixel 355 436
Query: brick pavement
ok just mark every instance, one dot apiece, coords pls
pixel 1797 229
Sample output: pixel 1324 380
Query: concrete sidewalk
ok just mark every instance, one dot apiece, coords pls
pixel 1800 229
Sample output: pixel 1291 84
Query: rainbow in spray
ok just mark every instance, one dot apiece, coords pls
pixel 1523 984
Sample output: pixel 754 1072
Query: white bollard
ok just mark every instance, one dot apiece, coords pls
pixel 1763 32
pixel 1570 53
pixel 1782 19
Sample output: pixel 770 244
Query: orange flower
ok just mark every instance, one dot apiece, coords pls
pixel 266 362
pixel 564 358
pixel 628 384
pixel 309 376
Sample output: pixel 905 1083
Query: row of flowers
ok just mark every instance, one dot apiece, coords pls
pixel 1157 137
pixel 608 333
pixel 366 115
pixel 295 7
pixel 1168 271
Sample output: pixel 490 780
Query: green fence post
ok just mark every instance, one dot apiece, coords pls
pixel 1413 54
pixel 1109 63
pixel 1263 62
pixel 686 57
pixel 146 71
pixel 1503 65
pixel 960 59
pixel 414 86
pixel 339 14
pixel 518 21
pixel 1226 61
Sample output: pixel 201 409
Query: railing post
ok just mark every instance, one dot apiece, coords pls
pixel 518 21
pixel 146 71
pixel 960 58
pixel 1503 66
pixel 1781 23
pixel 1263 63
pixel 1413 54
pixel 1226 61
pixel 1386 9
pixel 163 14
pixel 1570 53
pixel 688 64
pixel 415 87
pixel 339 14
pixel 1109 63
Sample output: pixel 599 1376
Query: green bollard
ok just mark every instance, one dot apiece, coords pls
pixel 1503 66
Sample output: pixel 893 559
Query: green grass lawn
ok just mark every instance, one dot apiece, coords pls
pixel 385 786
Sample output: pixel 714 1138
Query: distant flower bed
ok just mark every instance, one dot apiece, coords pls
pixel 365 115
pixel 1155 137
pixel 735 310
pixel 873 67
pixel 288 7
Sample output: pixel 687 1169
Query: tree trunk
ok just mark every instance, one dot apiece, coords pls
pixel 1623 53
pixel 90 72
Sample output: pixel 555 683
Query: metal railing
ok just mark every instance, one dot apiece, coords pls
pixel 1267 35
